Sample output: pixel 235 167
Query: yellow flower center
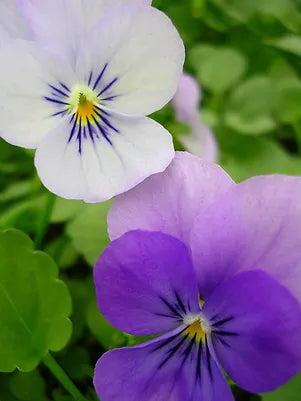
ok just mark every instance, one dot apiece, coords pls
pixel 195 331
pixel 197 327
pixel 83 102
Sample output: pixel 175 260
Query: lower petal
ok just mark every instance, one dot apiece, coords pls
pixel 167 368
pixel 256 330
pixel 98 162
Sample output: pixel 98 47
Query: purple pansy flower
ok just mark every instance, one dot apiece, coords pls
pixel 228 227
pixel 201 141
pixel 217 274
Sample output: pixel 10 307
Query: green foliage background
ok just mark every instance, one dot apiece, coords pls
pixel 246 56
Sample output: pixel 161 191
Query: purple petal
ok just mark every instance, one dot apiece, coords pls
pixel 255 225
pixel 186 100
pixel 256 330
pixel 169 201
pixel 163 369
pixel 145 283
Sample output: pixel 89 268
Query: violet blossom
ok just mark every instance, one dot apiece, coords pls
pixel 214 268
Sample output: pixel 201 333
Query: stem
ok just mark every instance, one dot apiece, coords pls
pixel 43 223
pixel 63 378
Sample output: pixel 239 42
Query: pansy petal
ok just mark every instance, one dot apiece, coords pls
pixel 12 22
pixel 187 98
pixel 142 55
pixel 96 162
pixel 170 201
pixel 169 368
pixel 145 283
pixel 60 25
pixel 255 225
pixel 201 141
pixel 256 330
pixel 24 112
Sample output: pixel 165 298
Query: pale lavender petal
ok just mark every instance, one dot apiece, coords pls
pixel 201 141
pixel 255 225
pixel 187 98
pixel 61 25
pixel 171 368
pixel 145 283
pixel 256 330
pixel 12 21
pixel 169 201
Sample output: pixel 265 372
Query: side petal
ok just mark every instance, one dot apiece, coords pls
pixel 143 56
pixel 256 330
pixel 96 162
pixel 169 202
pixel 25 115
pixel 168 368
pixel 145 283
pixel 255 225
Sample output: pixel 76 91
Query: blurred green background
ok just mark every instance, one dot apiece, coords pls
pixel 246 56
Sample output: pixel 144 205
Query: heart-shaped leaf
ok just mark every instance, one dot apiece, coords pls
pixel 34 304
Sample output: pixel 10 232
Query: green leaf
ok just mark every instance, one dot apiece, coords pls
pixel 244 157
pixel 88 231
pixel 81 292
pixel 16 190
pixel 34 304
pixel 289 43
pixel 62 251
pixel 218 68
pixel 288 392
pixel 65 209
pixel 287 100
pixel 249 110
pixel 28 386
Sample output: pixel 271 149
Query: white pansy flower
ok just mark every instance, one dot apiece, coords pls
pixel 80 90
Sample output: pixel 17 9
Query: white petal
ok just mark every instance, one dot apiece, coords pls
pixel 61 24
pixel 102 170
pixel 144 55
pixel 11 20
pixel 25 74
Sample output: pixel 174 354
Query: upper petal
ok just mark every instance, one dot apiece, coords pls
pixel 255 225
pixel 60 25
pixel 256 330
pixel 12 21
pixel 170 201
pixel 98 161
pixel 145 283
pixel 144 55
pixel 169 368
